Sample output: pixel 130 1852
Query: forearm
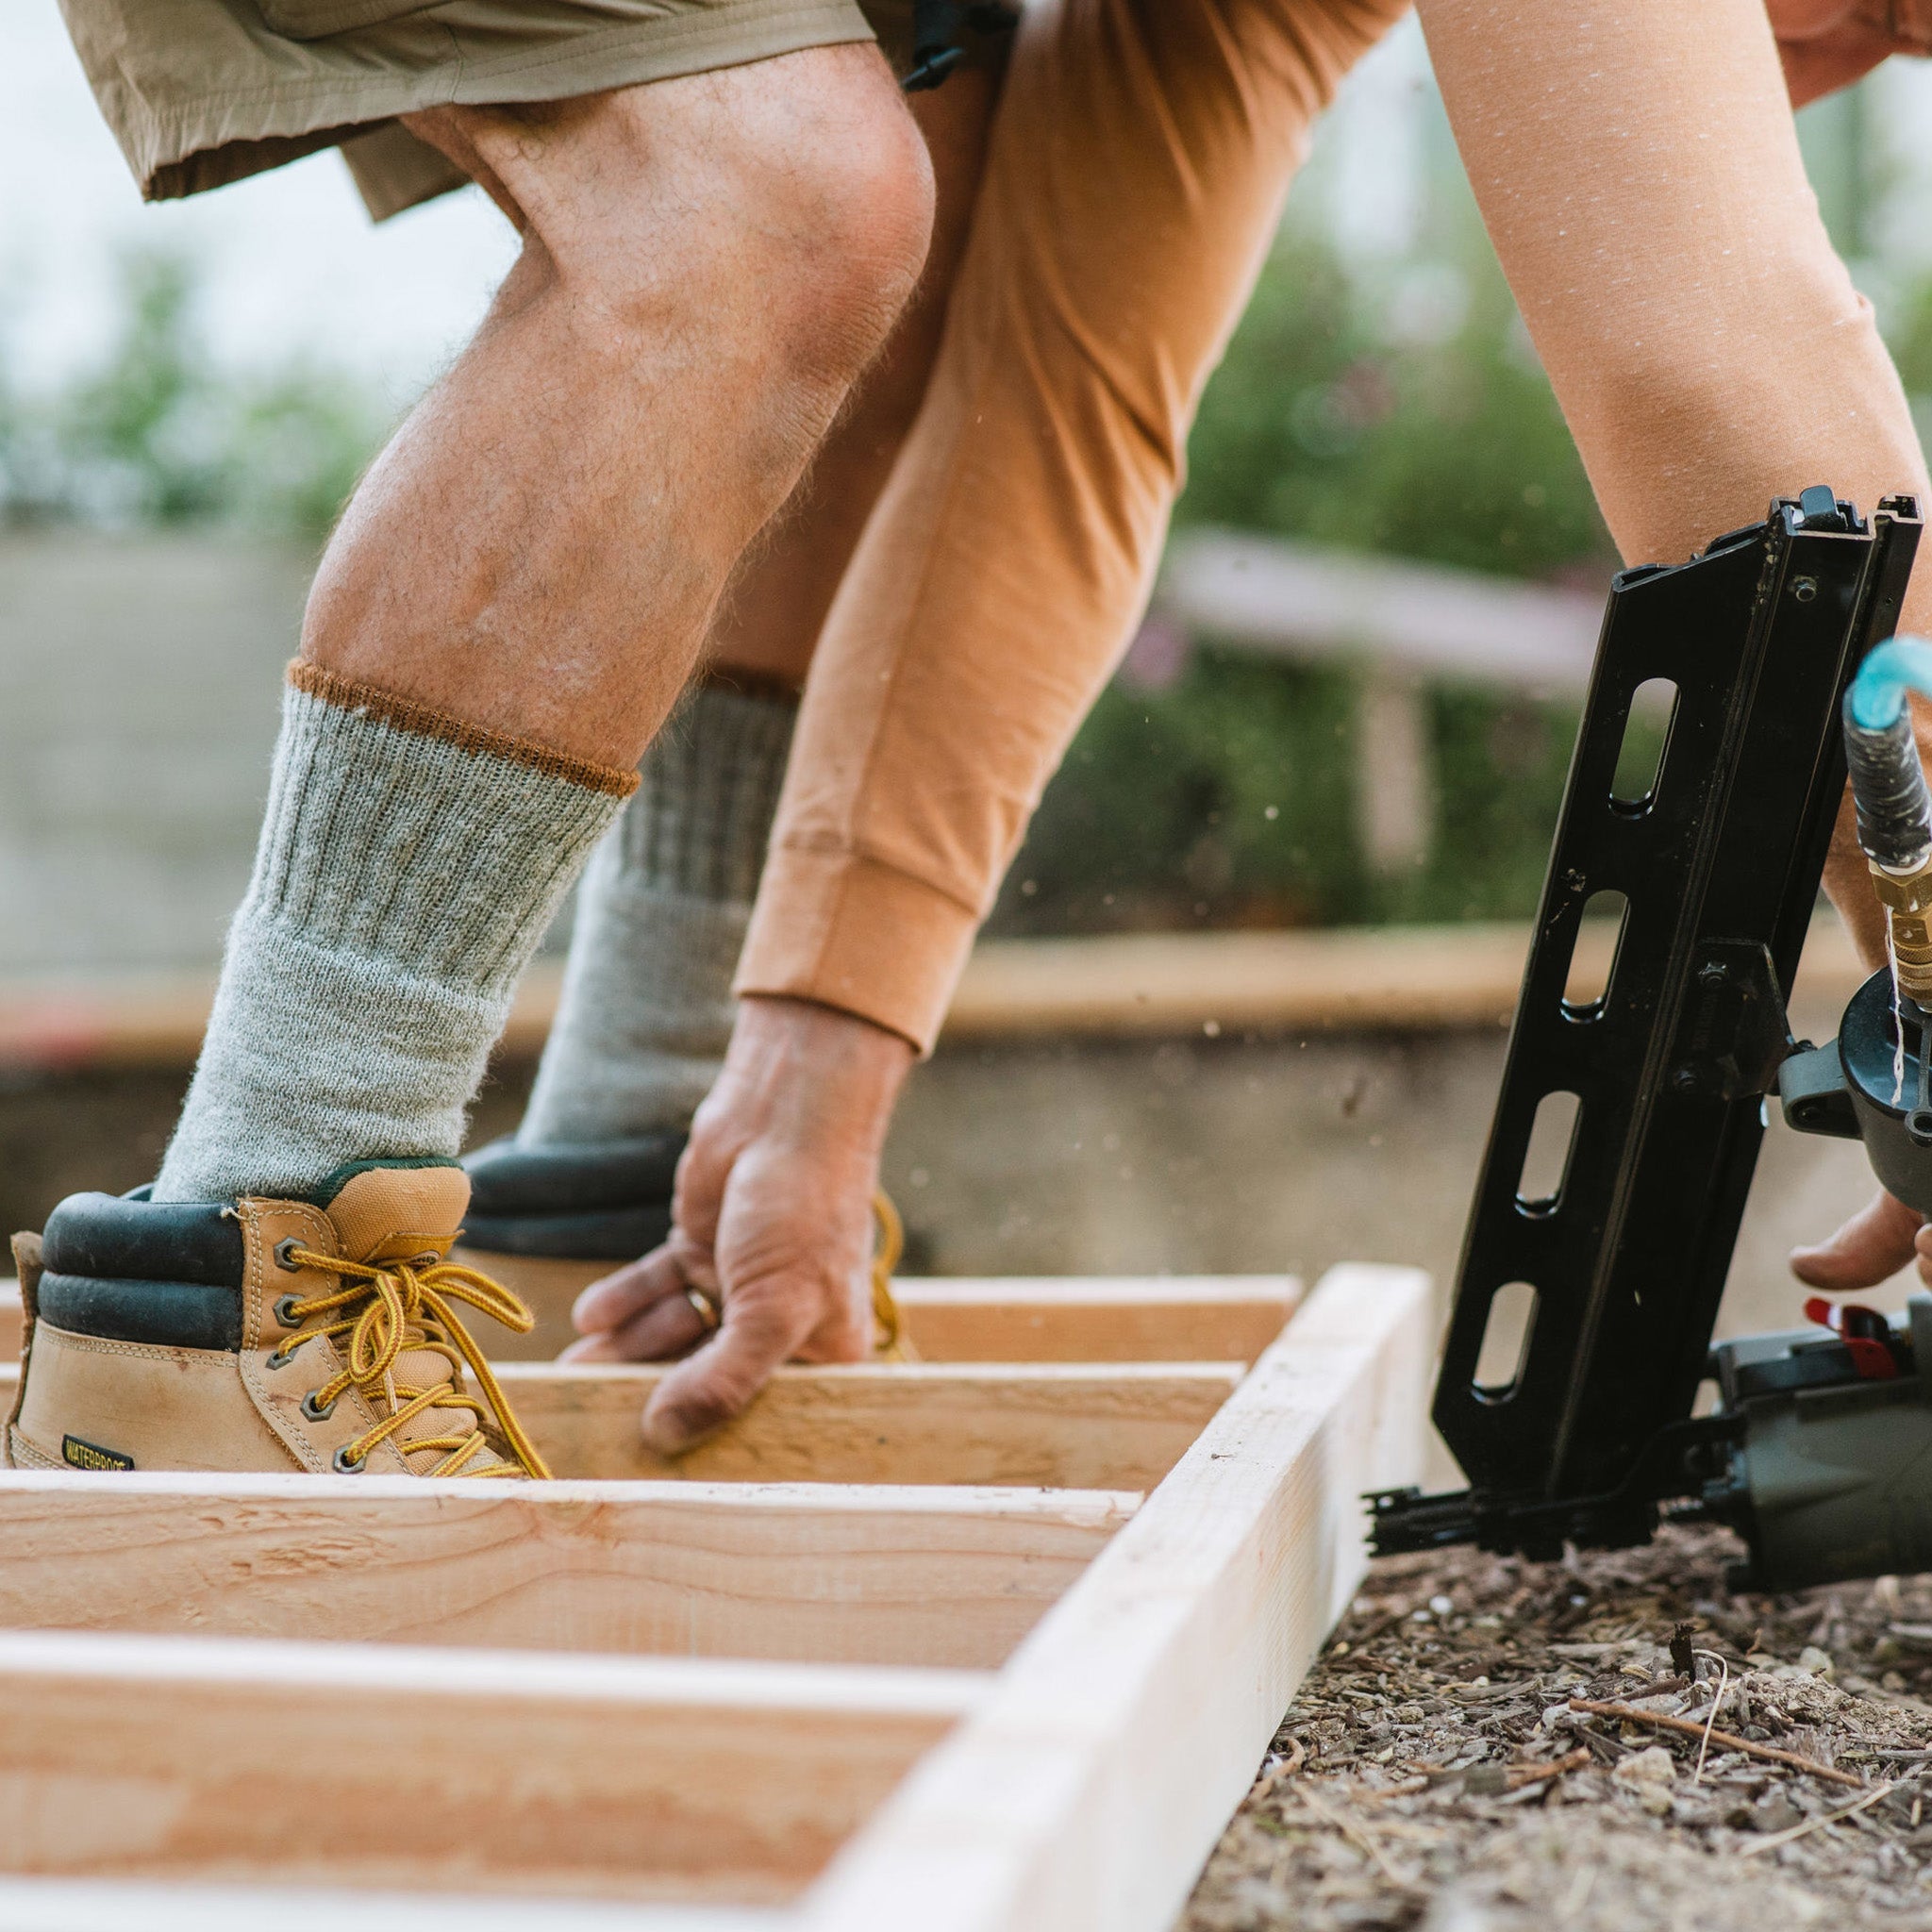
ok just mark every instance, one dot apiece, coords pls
pixel 1707 344
pixel 1137 169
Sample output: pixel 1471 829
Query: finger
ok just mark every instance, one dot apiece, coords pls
pixel 1924 1246
pixel 1875 1243
pixel 844 1334
pixel 618 1298
pixel 702 1394
pixel 666 1328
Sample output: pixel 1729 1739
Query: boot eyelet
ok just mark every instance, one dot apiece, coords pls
pixel 285 1252
pixel 284 1311
pixel 343 1466
pixel 277 1361
pixel 316 1413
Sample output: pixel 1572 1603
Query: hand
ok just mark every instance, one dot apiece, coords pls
pixel 1872 1246
pixel 771 1215
pixel 1827 45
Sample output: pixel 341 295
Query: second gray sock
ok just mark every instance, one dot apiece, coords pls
pixel 646 1008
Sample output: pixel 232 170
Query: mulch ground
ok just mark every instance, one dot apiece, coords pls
pixel 1435 1772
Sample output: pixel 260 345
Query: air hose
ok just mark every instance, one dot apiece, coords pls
pixel 1895 809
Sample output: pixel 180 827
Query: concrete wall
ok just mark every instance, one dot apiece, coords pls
pixel 138 684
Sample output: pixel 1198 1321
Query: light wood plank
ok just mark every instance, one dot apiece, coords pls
pixel 1005 1318
pixel 1051 1426
pixel 1160 1318
pixel 1055 1425
pixel 1087 1791
pixel 1228 1318
pixel 805 1573
pixel 343 1764
pixel 67 1905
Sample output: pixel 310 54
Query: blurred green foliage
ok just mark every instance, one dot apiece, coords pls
pixel 162 434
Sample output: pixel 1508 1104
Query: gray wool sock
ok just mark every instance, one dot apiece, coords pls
pixel 646 1006
pixel 407 867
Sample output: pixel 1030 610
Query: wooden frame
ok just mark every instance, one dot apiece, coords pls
pixel 728 1704
pixel 1228 1318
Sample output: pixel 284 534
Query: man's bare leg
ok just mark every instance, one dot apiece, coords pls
pixel 526 574
pixel 708 263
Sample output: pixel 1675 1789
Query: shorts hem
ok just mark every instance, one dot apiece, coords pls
pixel 182 152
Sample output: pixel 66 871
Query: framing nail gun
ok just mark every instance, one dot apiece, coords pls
pixel 1817 1449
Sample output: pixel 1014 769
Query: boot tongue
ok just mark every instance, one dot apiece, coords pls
pixel 385 1215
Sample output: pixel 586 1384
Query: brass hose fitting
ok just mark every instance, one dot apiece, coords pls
pixel 1907 901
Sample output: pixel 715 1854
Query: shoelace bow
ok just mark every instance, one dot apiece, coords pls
pixel 396 1304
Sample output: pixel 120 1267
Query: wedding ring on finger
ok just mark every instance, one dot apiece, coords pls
pixel 705 1305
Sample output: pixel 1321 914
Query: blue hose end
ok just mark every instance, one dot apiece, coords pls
pixel 1878 694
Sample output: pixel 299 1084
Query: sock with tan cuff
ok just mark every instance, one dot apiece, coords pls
pixel 646 1010
pixel 408 867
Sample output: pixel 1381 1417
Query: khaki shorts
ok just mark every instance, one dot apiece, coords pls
pixel 202 92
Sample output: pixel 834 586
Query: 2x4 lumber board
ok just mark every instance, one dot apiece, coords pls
pixel 1041 1318
pixel 344 1764
pixel 1085 1793
pixel 809 1573
pixel 1053 1425
pixel 1098 1319
pixel 1065 1426
pixel 67 1905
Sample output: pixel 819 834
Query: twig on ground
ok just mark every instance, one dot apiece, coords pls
pixel 1516 1777
pixel 1730 1740
pixel 1523 1775
pixel 1660 1686
pixel 1784 1838
pixel 1408 1787
pixel 1717 1704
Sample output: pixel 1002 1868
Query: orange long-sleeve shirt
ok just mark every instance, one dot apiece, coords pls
pixel 1637 164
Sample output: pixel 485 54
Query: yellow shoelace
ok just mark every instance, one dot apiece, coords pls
pixel 894 1344
pixel 383 1314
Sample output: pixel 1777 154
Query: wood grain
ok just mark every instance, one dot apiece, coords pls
pixel 1002 1319
pixel 352 1764
pixel 1085 1793
pixel 1047 1425
pixel 806 1573
pixel 1097 1319
pixel 1057 1426
pixel 69 1905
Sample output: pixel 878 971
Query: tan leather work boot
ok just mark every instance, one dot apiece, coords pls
pixel 317 1335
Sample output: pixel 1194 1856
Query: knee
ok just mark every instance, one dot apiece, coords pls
pixel 790 200
pixel 845 181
